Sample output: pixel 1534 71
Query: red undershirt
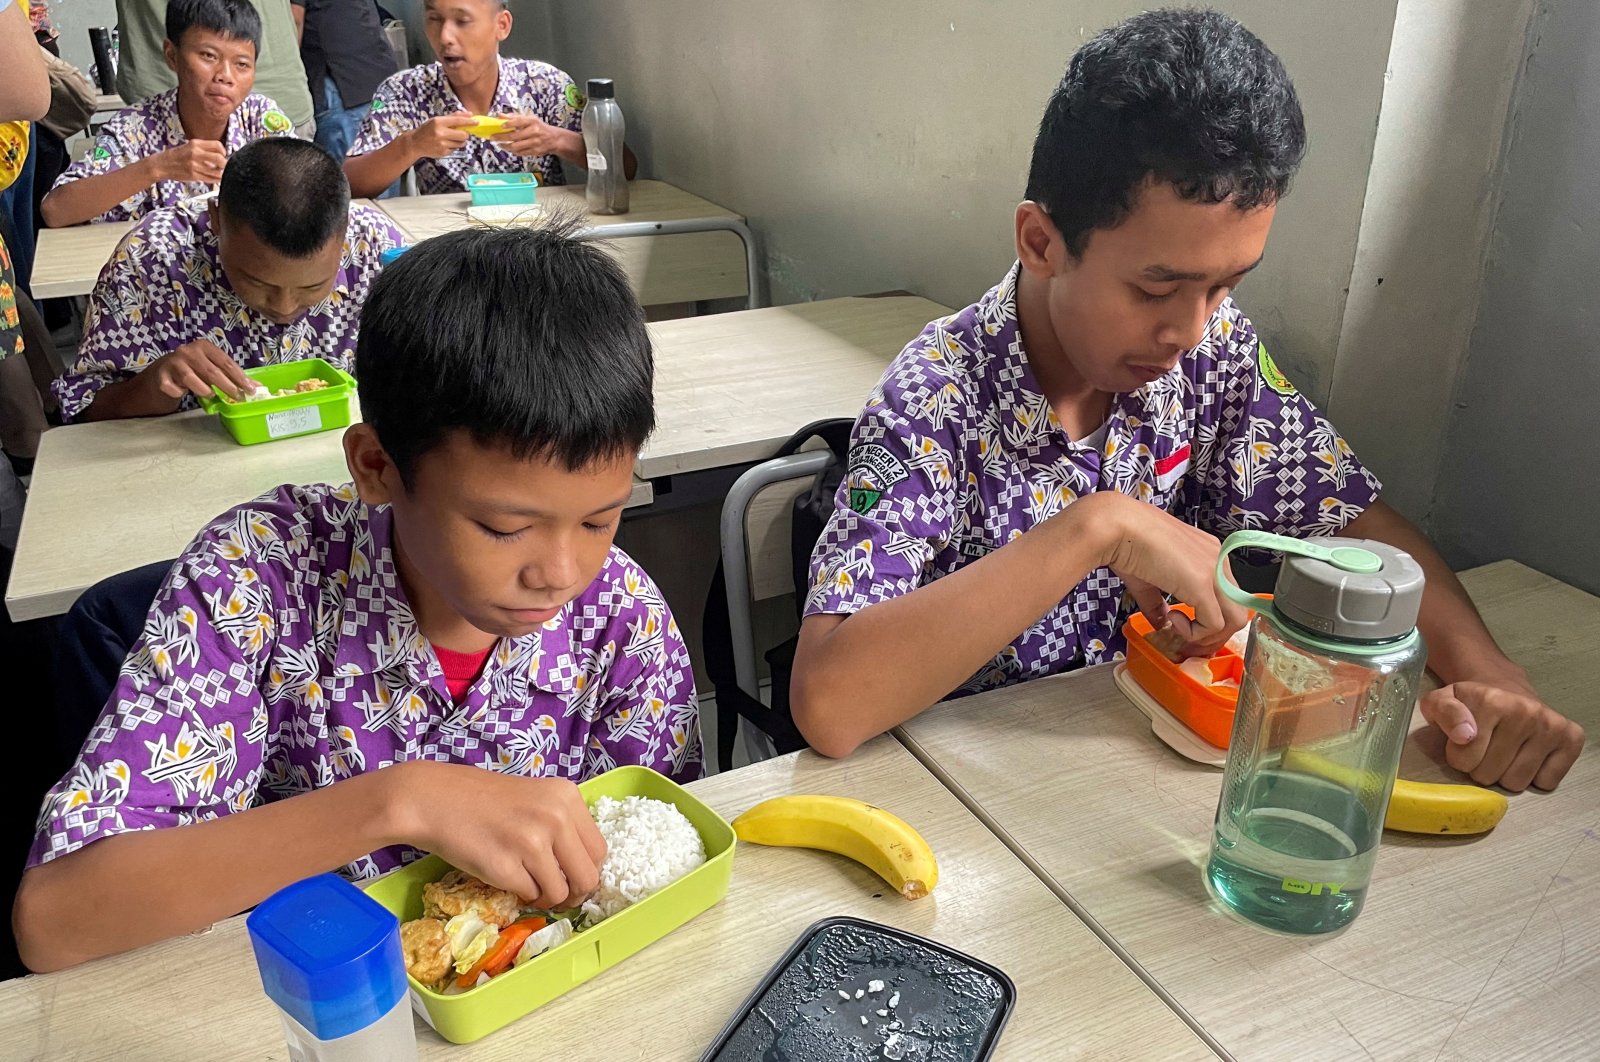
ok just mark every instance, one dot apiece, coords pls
pixel 461 670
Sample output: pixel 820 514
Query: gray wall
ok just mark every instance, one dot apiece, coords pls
pixel 883 145
pixel 1431 194
pixel 1521 474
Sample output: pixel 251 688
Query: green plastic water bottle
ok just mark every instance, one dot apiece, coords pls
pixel 1330 678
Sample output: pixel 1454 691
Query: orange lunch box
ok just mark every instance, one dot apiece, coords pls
pixel 1206 710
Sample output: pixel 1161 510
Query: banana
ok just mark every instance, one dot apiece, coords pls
pixel 1434 807
pixel 1416 807
pixel 880 841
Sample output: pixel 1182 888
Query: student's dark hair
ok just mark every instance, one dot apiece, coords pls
pixel 235 19
pixel 522 336
pixel 1187 98
pixel 291 193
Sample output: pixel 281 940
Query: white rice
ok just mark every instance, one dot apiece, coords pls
pixel 649 845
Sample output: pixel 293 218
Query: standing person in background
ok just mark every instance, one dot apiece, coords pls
pixel 142 69
pixel 346 57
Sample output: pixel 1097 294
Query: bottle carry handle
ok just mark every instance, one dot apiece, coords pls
pixel 1345 558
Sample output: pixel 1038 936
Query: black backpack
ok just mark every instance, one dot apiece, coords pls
pixel 812 511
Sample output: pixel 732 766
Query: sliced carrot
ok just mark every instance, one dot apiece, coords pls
pixel 499 958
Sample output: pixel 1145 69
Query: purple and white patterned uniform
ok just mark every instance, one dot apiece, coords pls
pixel 410 98
pixel 152 126
pixel 165 287
pixel 281 656
pixel 958 453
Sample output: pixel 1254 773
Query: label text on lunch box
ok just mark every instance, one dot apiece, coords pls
pixel 294 421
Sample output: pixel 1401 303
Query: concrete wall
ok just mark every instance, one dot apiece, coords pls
pixel 882 146
pixel 1430 200
pixel 1521 472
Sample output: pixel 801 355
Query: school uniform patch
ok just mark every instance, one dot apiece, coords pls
pixel 1270 373
pixel 276 122
pixel 873 470
pixel 575 99
pixel 101 153
pixel 1171 468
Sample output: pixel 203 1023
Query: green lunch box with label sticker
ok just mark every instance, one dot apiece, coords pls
pixel 479 1011
pixel 503 189
pixel 265 419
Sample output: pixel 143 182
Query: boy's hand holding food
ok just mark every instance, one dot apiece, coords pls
pixel 529 136
pixel 1156 554
pixel 199 161
pixel 438 137
pixel 534 837
pixel 193 369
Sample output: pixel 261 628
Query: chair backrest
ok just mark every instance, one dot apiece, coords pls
pixel 768 532
pixel 767 513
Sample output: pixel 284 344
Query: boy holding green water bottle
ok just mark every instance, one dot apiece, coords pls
pixel 1089 427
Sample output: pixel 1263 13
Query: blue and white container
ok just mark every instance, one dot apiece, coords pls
pixel 330 959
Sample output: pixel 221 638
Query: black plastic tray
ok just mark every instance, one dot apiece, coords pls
pixel 949 1007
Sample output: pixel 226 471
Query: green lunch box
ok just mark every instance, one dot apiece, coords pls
pixel 502 189
pixel 266 419
pixel 479 1011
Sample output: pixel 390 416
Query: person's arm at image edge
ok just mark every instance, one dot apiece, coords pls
pixel 1498 728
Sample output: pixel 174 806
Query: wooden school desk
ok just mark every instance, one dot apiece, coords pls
pixel 117 494
pixel 1468 948
pixel 200 997
pixel 731 387
pixel 675 247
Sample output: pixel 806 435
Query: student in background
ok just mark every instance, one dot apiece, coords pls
pixel 275 270
pixel 1085 429
pixel 141 71
pixel 419 116
pixel 173 146
pixel 426 659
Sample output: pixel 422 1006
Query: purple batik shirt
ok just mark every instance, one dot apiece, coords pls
pixel 165 287
pixel 958 453
pixel 410 98
pixel 280 656
pixel 152 126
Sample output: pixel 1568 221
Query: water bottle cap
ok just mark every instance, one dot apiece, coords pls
pixel 601 88
pixel 1373 603
pixel 329 955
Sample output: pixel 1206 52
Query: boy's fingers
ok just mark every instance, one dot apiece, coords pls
pixel 231 372
pixel 1524 766
pixel 1446 711
pixel 594 841
pixel 553 888
pixel 1152 602
pixel 581 871
pixel 1557 763
pixel 1504 745
pixel 177 383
